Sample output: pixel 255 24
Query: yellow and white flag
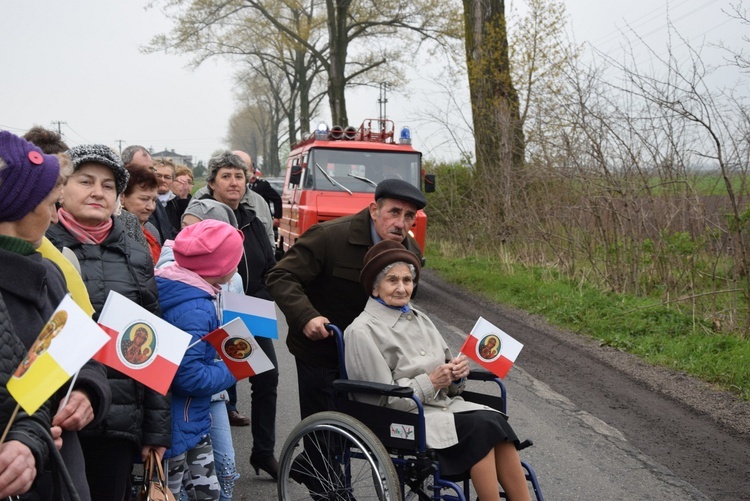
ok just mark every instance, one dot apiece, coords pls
pixel 67 341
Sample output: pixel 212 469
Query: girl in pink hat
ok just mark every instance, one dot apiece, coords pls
pixel 206 256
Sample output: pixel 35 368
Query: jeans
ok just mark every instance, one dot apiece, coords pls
pixel 263 404
pixel 221 438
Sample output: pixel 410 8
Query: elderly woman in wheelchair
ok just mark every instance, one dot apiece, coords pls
pixel 392 343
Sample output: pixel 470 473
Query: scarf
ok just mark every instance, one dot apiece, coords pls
pixel 153 245
pixel 402 309
pixel 82 233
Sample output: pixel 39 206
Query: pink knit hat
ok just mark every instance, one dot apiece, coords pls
pixel 210 248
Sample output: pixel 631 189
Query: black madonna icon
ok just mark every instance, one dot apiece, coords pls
pixel 237 348
pixel 488 348
pixel 137 345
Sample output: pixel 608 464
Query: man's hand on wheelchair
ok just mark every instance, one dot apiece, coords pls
pixel 315 329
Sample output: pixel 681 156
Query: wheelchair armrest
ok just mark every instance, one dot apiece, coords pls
pixel 481 375
pixel 388 390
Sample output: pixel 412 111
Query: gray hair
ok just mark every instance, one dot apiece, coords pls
pixel 224 159
pixel 388 268
pixel 129 152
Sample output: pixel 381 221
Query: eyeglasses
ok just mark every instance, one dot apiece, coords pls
pixel 166 177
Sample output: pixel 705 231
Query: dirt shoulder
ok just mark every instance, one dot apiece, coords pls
pixel 698 432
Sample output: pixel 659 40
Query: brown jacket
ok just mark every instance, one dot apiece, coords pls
pixel 319 276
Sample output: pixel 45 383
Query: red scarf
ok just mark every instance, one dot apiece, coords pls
pixel 82 233
pixel 153 245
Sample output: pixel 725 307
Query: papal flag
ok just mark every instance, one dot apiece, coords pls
pixel 67 341
pixel 141 345
pixel 239 350
pixel 258 314
pixel 491 348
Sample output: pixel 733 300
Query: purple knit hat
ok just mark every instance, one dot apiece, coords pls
pixel 26 176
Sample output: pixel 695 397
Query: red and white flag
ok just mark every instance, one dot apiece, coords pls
pixel 141 345
pixel 239 349
pixel 491 348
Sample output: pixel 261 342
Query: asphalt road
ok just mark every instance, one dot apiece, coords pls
pixel 605 425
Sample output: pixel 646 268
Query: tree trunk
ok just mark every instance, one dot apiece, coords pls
pixel 498 131
pixel 337 35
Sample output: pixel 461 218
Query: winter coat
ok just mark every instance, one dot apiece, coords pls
pixel 138 414
pixel 319 276
pixel 200 375
pixel 32 287
pixel 29 430
pixel 387 346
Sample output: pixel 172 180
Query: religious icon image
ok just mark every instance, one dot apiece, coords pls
pixel 137 345
pixel 237 348
pixel 489 347
pixel 51 329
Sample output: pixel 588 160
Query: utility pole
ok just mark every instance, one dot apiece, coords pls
pixel 59 123
pixel 119 144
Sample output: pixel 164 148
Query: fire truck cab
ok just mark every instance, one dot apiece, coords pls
pixel 333 173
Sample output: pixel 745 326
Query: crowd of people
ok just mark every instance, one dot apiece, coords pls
pixel 87 221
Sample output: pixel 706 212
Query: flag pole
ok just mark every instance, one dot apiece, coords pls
pixel 12 418
pixel 70 389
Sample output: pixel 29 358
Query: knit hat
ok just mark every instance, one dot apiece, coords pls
pixel 104 155
pixel 209 248
pixel 211 209
pixel 27 176
pixel 400 190
pixel 381 255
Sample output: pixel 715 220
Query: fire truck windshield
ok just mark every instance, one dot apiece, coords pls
pixel 352 169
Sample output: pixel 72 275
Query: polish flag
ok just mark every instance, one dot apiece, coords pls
pixel 141 345
pixel 67 341
pixel 239 350
pixel 491 348
pixel 258 314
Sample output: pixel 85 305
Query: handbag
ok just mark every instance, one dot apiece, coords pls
pixel 154 483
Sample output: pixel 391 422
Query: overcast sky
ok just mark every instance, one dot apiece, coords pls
pixel 78 62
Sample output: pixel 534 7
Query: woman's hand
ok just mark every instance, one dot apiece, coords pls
pixel 17 468
pixel 160 450
pixel 460 368
pixel 56 433
pixel 442 376
pixel 76 414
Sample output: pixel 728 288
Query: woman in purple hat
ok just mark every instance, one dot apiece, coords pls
pixel 31 287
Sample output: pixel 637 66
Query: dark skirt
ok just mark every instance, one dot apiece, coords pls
pixel 478 433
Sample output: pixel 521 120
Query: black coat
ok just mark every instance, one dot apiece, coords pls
pixel 160 219
pixel 29 430
pixel 271 196
pixel 137 414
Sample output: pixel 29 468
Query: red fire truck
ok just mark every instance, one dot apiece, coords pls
pixel 334 172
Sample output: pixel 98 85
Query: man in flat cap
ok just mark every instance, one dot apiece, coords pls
pixel 317 281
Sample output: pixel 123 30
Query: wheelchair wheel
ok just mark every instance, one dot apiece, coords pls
pixel 331 456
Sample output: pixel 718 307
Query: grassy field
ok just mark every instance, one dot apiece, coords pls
pixel 642 326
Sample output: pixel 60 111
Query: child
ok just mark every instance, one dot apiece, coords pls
pixel 206 256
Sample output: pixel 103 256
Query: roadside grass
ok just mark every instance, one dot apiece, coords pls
pixel 642 326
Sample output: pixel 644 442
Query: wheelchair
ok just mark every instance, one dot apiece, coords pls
pixel 360 451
